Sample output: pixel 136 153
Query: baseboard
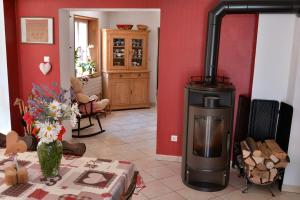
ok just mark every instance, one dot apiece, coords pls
pixel 291 188
pixel 168 158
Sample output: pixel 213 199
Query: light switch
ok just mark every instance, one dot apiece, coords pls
pixel 46 59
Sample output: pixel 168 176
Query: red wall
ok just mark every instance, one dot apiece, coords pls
pixel 182 44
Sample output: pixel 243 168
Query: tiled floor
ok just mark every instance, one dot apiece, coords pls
pixel 131 135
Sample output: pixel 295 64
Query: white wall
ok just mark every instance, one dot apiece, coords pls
pixel 151 19
pixel 273 56
pixel 292 176
pixel 5 123
pixel 277 77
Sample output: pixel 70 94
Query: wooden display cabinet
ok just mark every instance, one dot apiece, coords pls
pixel 125 68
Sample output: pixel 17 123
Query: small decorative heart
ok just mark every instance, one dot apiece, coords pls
pixel 45 68
pixel 13 144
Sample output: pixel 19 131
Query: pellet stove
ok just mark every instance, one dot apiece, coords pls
pixel 209 103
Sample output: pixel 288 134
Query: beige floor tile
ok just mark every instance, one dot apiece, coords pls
pixel 254 193
pixel 175 168
pixel 236 181
pixel 191 194
pixel 113 141
pixel 147 178
pixel 132 155
pixel 227 190
pixel 155 189
pixel 149 151
pixel 170 196
pixel 139 196
pixel 287 196
pixel 160 172
pixel 173 182
pixel 147 163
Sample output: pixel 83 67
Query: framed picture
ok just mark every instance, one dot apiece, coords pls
pixel 37 30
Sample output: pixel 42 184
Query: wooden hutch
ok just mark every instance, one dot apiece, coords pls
pixel 125 68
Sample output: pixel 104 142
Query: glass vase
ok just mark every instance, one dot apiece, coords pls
pixel 50 155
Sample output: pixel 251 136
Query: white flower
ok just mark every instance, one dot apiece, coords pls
pixel 74 113
pixel 73 120
pixel 48 131
pixel 54 106
pixel 75 109
pixel 55 109
pixel 64 106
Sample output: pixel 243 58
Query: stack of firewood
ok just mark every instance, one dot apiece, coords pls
pixel 262 160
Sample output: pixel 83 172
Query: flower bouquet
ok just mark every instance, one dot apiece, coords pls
pixel 47 109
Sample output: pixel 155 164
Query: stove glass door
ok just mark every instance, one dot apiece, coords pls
pixel 208 136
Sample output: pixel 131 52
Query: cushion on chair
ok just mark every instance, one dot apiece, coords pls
pixel 76 84
pixel 94 97
pixel 100 105
pixel 82 98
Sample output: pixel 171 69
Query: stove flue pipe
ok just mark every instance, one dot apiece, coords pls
pixel 216 15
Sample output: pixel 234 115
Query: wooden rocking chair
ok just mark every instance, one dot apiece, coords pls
pixel 87 111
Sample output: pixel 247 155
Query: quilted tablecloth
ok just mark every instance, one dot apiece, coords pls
pixel 80 178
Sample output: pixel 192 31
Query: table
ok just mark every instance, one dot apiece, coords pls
pixel 80 178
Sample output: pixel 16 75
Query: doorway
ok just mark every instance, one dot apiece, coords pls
pixel 127 130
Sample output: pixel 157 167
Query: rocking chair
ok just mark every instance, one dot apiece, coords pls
pixel 89 107
pixel 87 111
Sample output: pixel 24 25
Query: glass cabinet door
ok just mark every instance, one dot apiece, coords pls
pixel 119 52
pixel 137 53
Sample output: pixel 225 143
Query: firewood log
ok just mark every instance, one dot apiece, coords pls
pixel 276 150
pixel 253 147
pixel 269 164
pixel 274 159
pixel 249 161
pixel 273 173
pixel 245 149
pixel 261 166
pixel 261 174
pixel 266 152
pixel 258 159
pixel 255 180
pixel 282 164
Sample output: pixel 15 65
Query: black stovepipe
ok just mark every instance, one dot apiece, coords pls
pixel 216 15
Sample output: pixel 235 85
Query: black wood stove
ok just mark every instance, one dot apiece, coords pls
pixel 208 132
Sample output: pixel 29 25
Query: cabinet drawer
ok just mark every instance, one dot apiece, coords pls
pixel 120 75
pixel 140 75
pixel 129 75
